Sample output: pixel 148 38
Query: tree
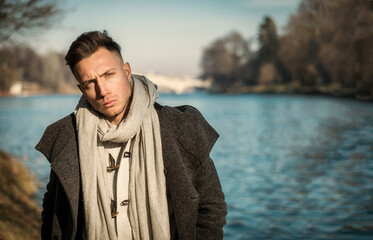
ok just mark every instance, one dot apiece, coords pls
pixel 223 60
pixel 17 16
pixel 19 63
pixel 331 41
pixel 55 74
pixel 30 63
pixel 10 73
pixel 8 76
pixel 268 41
pixel 347 50
pixel 268 67
pixel 216 60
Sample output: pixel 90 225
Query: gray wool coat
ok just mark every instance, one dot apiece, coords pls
pixel 193 188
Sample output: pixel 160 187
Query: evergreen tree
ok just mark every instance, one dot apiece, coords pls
pixel 268 41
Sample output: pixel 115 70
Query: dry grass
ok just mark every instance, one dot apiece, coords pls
pixel 19 214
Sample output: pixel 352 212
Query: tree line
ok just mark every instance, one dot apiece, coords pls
pixel 326 47
pixel 47 72
pixel 20 63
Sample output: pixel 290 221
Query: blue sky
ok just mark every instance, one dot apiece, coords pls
pixel 163 36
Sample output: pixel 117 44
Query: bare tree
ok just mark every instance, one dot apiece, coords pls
pixel 17 16
pixel 331 41
pixel 216 59
pixel 224 58
pixel 55 74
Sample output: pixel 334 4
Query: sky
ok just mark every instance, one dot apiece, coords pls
pixel 163 36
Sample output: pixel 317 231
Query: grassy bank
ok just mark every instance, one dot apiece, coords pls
pixel 19 213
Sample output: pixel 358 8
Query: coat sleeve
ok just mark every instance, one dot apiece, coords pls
pixel 48 207
pixel 198 138
pixel 212 208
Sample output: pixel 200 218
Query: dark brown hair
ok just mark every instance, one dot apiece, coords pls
pixel 88 43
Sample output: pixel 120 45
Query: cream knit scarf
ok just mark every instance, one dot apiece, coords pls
pixel 148 211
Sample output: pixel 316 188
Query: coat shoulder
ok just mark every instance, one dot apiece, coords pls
pixel 63 129
pixel 189 127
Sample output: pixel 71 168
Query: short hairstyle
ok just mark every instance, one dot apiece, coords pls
pixel 88 43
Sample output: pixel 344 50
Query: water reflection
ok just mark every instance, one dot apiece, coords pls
pixel 297 168
pixel 292 167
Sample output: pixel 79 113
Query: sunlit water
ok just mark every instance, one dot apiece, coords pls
pixel 291 167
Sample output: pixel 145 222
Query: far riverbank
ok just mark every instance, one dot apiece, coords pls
pixel 331 90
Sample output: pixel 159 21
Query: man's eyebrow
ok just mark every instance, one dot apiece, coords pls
pixel 87 80
pixel 101 75
pixel 111 69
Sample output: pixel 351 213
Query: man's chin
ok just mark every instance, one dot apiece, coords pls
pixel 105 113
pixel 109 115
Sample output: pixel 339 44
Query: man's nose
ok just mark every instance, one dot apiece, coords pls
pixel 102 88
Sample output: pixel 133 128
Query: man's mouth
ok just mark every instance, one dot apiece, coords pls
pixel 109 103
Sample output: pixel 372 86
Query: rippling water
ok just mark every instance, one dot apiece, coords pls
pixel 291 167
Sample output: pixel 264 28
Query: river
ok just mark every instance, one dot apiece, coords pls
pixel 291 166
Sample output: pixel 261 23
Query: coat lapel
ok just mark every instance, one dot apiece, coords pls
pixel 66 167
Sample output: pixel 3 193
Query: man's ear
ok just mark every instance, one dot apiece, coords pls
pixel 127 70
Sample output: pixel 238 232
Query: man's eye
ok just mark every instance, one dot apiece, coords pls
pixel 88 84
pixel 109 74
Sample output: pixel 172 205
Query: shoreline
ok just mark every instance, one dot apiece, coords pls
pixel 20 215
pixel 335 92
pixel 290 89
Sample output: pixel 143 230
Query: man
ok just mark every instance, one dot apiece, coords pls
pixel 123 166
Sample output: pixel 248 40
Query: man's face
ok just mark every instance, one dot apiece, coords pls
pixel 104 81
